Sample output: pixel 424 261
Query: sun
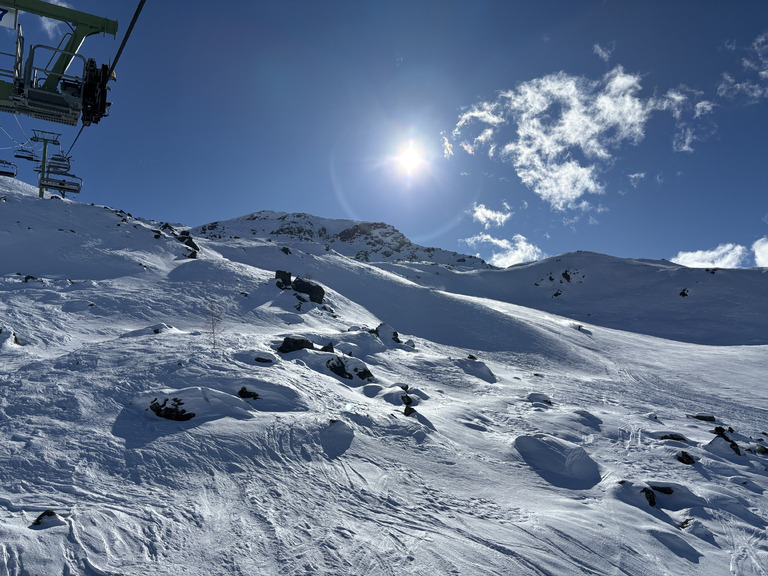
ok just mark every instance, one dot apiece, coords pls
pixel 410 158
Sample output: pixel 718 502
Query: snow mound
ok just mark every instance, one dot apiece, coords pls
pixel 559 462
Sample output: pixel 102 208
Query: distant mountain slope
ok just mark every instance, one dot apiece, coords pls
pixel 658 298
pixel 364 241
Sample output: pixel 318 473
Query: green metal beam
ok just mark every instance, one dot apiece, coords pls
pixel 95 24
pixel 85 25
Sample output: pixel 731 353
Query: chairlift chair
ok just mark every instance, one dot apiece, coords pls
pixel 61 182
pixel 26 154
pixel 8 169
pixel 59 164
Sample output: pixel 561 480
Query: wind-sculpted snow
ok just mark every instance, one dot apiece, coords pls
pixel 436 422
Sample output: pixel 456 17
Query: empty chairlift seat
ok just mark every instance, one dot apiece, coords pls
pixel 26 154
pixel 8 169
pixel 61 182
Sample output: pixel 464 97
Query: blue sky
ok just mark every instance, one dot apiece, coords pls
pixel 631 128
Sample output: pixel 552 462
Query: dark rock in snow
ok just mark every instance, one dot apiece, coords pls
pixel 686 458
pixel 172 412
pixel 674 436
pixel 762 450
pixel 386 332
pixel 327 348
pixel 245 393
pixel 704 417
pixel 284 278
pixel 293 343
pixel 189 243
pixel 314 290
pixel 337 366
pixel 47 519
pixel 363 373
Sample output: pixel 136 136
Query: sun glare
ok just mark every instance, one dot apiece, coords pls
pixel 410 158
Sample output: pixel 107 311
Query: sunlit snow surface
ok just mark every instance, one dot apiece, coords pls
pixel 539 454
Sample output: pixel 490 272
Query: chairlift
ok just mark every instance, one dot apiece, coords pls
pixel 59 164
pixel 26 154
pixel 61 182
pixel 8 169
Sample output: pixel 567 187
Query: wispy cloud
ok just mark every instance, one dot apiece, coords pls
pixel 724 256
pixel 686 105
pixel 508 252
pixel 604 53
pixel 487 217
pixel 754 85
pixel 760 248
pixel 636 178
pixel 53 28
pixel 565 129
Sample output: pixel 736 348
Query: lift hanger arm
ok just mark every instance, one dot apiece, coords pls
pixel 84 26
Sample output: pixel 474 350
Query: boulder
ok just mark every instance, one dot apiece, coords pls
pixel 312 289
pixel 293 343
pixel 172 412
pixel 284 278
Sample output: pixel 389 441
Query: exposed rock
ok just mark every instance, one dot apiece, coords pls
pixel 284 278
pixel 674 436
pixel 704 417
pixel 686 458
pixel 327 348
pixel 684 292
pixel 337 366
pixel 48 519
pixel 172 412
pixel 245 393
pixel 762 450
pixel 189 243
pixel 363 373
pixel 286 250
pixel 293 343
pixel 385 332
pixel 314 290
pixel 262 360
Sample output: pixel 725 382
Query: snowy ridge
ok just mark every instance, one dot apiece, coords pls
pixel 432 424
pixel 364 241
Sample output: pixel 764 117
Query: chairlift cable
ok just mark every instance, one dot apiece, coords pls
pixel 125 38
pixel 11 137
pixel 22 129
pixel 75 140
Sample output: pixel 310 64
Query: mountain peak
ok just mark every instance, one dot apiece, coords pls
pixel 363 241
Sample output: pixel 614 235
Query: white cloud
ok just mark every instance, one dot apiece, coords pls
pixel 760 248
pixel 755 65
pixel 447 148
pixel 603 53
pixel 703 108
pixel 53 28
pixel 682 103
pixel 564 130
pixel 510 252
pixel 488 217
pixel 635 179
pixel 724 256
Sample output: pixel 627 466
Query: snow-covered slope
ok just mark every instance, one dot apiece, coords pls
pixel 537 441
